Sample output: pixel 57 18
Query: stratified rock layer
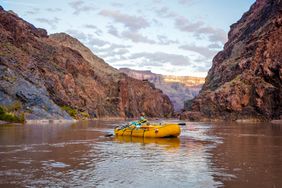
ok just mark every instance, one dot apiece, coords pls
pixel 245 80
pixel 45 72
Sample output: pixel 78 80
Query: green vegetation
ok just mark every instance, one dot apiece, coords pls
pixel 72 112
pixel 85 115
pixel 75 113
pixel 8 113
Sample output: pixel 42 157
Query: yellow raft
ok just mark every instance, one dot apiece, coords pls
pixel 149 131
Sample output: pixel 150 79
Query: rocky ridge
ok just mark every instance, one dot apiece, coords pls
pixel 245 81
pixel 45 73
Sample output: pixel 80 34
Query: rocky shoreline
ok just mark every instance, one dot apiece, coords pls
pixel 193 116
pixel 192 119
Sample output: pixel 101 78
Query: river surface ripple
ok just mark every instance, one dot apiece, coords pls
pixel 79 155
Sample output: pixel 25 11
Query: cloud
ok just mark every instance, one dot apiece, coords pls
pixel 54 9
pixel 112 52
pixel 202 64
pixel 133 23
pixel 121 65
pixel 163 40
pixel 161 58
pixel 80 7
pixel 185 25
pixel 97 31
pixel 157 1
pixel 199 28
pixel 215 46
pixel 186 2
pixel 19 3
pixel 117 4
pixel 113 47
pixel 157 22
pixel 77 3
pixel 51 22
pixel 92 41
pixel 77 34
pixel 33 11
pixel 88 39
pixel 202 68
pixel 217 35
pixel 133 36
pixel 119 53
pixel 204 51
pixel 137 37
pixel 116 60
pixel 165 12
pixel 113 31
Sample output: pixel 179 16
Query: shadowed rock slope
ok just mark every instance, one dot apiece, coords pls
pixel 245 79
pixel 45 73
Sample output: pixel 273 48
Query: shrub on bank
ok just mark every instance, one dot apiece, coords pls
pixel 10 117
pixel 72 112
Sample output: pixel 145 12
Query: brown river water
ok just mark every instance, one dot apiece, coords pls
pixel 79 155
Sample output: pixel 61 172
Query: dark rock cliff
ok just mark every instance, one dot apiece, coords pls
pixel 44 73
pixel 245 80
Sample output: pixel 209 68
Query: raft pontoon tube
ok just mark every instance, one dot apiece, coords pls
pixel 149 131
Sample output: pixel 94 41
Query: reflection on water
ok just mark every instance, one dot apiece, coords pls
pixel 167 143
pixel 205 155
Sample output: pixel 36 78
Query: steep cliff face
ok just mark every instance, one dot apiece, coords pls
pixel 245 80
pixel 177 88
pixel 70 42
pixel 44 73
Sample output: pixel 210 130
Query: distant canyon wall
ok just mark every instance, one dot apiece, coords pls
pixel 177 88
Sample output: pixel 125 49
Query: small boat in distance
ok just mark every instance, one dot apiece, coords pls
pixel 149 130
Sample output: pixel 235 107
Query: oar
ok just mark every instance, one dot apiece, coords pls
pixel 109 135
pixel 182 124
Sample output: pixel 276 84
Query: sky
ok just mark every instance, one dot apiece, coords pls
pixel 171 37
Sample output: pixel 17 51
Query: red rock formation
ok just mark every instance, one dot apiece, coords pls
pixel 67 74
pixel 245 80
